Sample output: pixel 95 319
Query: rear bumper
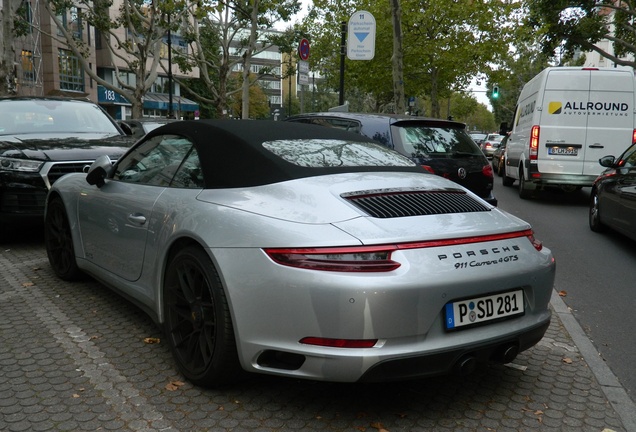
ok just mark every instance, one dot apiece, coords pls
pixel 449 361
pixel 562 179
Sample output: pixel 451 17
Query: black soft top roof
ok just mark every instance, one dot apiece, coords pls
pixel 232 154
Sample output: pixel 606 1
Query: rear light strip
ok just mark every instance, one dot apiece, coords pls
pixel 362 259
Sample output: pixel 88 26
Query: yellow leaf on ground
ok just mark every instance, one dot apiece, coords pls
pixel 174 385
pixel 151 340
pixel 379 426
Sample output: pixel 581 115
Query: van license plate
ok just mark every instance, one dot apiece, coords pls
pixel 482 309
pixel 563 151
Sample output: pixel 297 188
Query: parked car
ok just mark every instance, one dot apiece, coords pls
pixel 613 195
pixel 41 139
pixel 301 251
pixel 142 126
pixel 490 144
pixel 442 147
pixel 498 157
pixel 478 137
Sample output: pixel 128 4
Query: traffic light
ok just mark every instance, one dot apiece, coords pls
pixel 495 92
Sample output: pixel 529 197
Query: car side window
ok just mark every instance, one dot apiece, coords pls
pixel 155 162
pixel 189 175
pixel 629 158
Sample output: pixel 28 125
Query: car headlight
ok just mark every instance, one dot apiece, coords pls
pixel 22 165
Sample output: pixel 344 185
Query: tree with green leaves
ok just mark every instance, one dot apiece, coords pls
pixel 580 24
pixel 230 34
pixel 445 45
pixel 526 62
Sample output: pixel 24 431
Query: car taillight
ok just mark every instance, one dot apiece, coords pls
pixel 538 245
pixel 428 168
pixel 487 171
pixel 534 142
pixel 340 259
pixel 339 343
pixel 634 137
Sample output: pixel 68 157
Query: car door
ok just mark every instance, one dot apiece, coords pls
pixel 115 218
pixel 626 190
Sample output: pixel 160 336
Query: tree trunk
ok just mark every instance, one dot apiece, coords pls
pixel 397 58
pixel 245 97
pixel 435 109
pixel 7 61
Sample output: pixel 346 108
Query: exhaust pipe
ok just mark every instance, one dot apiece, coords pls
pixel 465 365
pixel 506 353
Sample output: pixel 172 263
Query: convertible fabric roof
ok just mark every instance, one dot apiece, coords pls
pixel 232 154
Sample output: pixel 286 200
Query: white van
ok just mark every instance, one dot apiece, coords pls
pixel 566 119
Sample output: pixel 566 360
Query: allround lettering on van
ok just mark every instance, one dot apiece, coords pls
pixel 619 109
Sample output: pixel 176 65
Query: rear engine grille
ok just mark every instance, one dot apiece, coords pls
pixel 400 203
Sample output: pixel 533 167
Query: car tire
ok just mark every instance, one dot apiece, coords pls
pixel 197 320
pixel 594 213
pixel 59 242
pixel 525 192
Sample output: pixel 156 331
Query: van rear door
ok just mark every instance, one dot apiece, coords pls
pixel 563 122
pixel 610 116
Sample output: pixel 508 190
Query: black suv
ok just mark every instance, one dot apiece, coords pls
pixel 43 138
pixel 442 147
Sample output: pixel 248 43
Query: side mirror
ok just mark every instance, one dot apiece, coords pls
pixel 503 128
pixel 99 170
pixel 607 161
pixel 125 127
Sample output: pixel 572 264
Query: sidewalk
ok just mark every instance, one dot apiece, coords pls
pixel 73 357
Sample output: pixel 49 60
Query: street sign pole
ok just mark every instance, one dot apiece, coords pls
pixel 343 52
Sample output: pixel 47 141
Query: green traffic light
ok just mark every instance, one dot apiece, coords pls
pixel 495 92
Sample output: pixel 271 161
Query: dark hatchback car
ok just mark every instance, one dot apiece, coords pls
pixel 498 157
pixel 614 194
pixel 441 147
pixel 43 138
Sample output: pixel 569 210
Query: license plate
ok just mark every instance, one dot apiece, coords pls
pixel 478 310
pixel 563 151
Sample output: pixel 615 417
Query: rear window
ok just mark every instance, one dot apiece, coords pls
pixel 426 141
pixel 330 153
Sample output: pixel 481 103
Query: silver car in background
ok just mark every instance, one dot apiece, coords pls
pixel 301 251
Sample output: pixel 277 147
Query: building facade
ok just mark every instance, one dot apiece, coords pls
pixel 45 66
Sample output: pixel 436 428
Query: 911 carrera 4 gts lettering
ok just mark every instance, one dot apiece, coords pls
pixel 480 252
pixel 466 264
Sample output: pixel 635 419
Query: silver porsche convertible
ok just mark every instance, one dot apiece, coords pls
pixel 302 251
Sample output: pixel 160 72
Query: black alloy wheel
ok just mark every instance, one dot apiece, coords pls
pixel 59 242
pixel 594 214
pixel 198 323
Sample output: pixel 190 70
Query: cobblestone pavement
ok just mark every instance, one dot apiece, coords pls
pixel 74 357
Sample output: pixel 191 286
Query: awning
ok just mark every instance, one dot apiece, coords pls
pixel 160 101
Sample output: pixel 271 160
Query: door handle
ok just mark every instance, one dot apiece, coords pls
pixel 137 218
pixel 597 145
